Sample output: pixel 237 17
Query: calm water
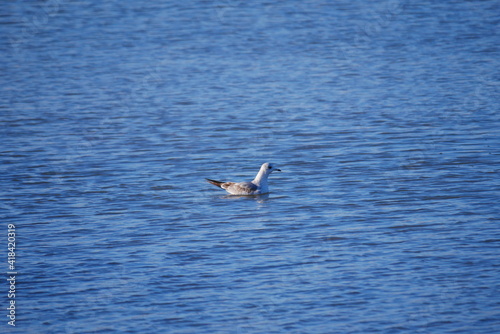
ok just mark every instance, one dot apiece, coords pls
pixel 383 116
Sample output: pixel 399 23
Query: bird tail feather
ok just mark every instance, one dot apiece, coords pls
pixel 215 183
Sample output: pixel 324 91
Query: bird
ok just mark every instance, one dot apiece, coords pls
pixel 257 187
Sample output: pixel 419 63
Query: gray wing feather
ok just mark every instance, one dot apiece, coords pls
pixel 240 188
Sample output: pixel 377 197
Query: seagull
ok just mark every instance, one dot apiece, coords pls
pixel 257 187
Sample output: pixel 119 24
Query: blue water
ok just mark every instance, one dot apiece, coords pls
pixel 383 116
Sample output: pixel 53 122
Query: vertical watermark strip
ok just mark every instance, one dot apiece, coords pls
pixel 11 274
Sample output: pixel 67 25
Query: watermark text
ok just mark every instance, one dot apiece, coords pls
pixel 11 274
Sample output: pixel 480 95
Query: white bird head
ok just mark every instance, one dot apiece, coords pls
pixel 268 168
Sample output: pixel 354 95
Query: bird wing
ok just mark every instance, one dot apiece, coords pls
pixel 241 188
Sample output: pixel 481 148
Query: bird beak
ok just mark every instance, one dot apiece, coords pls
pixel 278 170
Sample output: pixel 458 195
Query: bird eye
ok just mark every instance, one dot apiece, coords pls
pixel 269 167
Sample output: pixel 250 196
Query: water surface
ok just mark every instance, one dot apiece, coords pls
pixel 382 115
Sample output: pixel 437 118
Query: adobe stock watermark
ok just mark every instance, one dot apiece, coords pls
pixel 35 23
pixel 11 274
pixel 380 20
